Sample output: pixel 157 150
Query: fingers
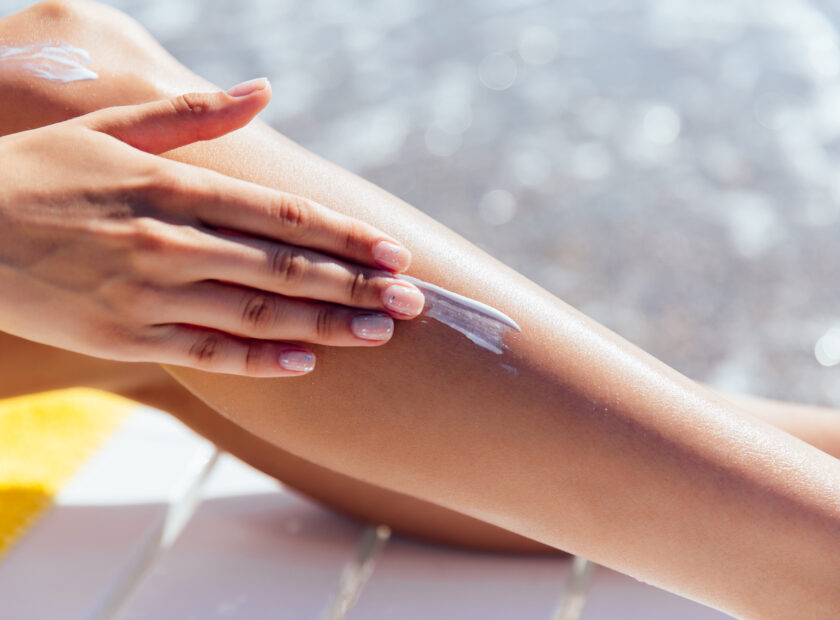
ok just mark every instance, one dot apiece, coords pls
pixel 219 201
pixel 164 125
pixel 256 314
pixel 222 202
pixel 233 330
pixel 211 351
pixel 290 271
pixel 236 205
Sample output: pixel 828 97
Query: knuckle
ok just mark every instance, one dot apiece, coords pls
pixel 258 312
pixel 160 252
pixel 69 11
pixel 288 265
pixel 150 181
pixel 195 107
pixel 136 344
pixel 147 345
pixel 355 238
pixel 55 10
pixel 116 340
pixel 325 323
pixel 149 235
pixel 159 179
pixel 292 213
pixel 154 337
pixel 359 289
pixel 206 349
pixel 253 358
pixel 190 105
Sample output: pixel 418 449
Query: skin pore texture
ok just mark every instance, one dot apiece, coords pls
pixel 592 446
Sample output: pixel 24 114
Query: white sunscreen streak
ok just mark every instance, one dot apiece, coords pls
pixel 482 324
pixel 55 61
pixel 511 369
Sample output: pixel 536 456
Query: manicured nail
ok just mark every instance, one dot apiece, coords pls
pixel 372 326
pixel 246 88
pixel 403 300
pixel 391 256
pixel 297 360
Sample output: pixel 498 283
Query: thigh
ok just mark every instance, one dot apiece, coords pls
pixel 132 67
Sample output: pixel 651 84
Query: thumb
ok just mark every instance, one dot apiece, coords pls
pixel 164 125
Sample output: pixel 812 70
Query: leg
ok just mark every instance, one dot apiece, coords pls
pixel 819 426
pixel 591 433
pixel 28 367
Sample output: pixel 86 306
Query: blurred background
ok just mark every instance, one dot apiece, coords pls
pixel 668 167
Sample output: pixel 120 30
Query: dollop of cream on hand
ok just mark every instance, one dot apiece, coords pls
pixel 54 61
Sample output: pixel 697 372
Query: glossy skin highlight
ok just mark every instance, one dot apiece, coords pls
pixel 593 447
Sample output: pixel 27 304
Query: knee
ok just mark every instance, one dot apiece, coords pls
pixel 54 10
pixel 83 20
pixel 71 11
pixel 89 25
pixel 131 65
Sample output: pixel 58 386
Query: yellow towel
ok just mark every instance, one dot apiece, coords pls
pixel 44 439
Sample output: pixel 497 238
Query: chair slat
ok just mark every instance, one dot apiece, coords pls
pixel 251 550
pixel 614 596
pixel 103 523
pixel 416 581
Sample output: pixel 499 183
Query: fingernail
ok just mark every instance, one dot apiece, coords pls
pixel 391 256
pixel 246 88
pixel 297 360
pixel 403 300
pixel 372 326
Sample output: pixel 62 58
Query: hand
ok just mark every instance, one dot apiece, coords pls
pixel 110 250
